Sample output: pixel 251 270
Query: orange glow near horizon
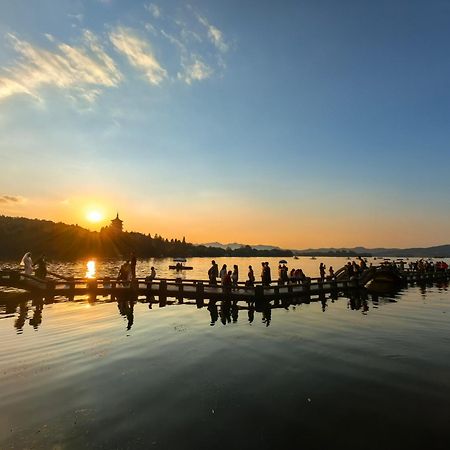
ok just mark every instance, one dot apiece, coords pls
pixel 94 216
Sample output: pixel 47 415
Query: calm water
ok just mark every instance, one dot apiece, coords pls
pixel 345 373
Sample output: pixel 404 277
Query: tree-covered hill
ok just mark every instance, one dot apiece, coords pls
pixel 61 241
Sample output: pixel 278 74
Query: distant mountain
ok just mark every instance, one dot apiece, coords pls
pixel 235 245
pixel 419 252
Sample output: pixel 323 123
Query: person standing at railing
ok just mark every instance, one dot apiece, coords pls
pixel 251 277
pixel 223 273
pixel 331 273
pixel 133 262
pixel 41 270
pixel 152 273
pixel 235 275
pixel 213 273
pixel 27 264
pixel 322 268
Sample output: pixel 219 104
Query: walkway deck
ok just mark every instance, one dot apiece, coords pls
pixel 58 285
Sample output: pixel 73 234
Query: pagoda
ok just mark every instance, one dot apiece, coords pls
pixel 116 224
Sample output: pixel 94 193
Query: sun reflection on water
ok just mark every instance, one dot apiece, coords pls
pixel 90 269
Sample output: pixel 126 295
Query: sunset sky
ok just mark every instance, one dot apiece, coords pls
pixel 295 123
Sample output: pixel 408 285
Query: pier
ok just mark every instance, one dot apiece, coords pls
pixel 58 285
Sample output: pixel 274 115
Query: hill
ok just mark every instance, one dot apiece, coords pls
pixel 61 241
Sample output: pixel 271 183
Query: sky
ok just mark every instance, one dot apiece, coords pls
pixel 297 123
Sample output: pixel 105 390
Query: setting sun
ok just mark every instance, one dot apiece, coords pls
pixel 94 216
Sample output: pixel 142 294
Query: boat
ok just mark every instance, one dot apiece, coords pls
pixel 313 257
pixel 179 265
pixel 295 257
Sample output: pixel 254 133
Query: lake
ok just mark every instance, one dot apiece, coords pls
pixel 361 372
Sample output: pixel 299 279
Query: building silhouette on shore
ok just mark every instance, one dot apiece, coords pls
pixel 116 225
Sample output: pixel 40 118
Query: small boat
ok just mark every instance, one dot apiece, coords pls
pixel 313 257
pixel 295 257
pixel 179 265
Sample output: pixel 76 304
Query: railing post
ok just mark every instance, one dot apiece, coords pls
pixel 162 293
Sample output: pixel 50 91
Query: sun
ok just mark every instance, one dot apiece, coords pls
pixel 94 216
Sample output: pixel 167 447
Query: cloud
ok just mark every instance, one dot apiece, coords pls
pixel 197 70
pixel 138 53
pixel 11 199
pixel 83 70
pixel 214 34
pixel 154 10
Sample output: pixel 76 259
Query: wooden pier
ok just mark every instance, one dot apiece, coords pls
pixel 57 285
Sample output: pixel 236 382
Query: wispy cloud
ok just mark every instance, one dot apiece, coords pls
pixel 11 199
pixel 214 34
pixel 196 70
pixel 138 53
pixel 83 70
pixel 155 10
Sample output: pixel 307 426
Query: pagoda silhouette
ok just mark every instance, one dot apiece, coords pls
pixel 116 225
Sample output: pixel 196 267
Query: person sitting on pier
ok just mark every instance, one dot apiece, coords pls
pixel 152 273
pixel 27 264
pixel 292 276
pixel 235 276
pixel 213 273
pixel 41 271
pixel 251 277
pixel 223 273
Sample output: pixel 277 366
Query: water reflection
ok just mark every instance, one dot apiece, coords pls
pixel 90 269
pixel 226 311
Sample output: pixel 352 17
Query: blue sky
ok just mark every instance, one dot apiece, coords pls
pixel 298 124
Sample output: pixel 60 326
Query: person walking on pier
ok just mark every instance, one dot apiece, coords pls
pixel 223 273
pixel 27 264
pixel 213 273
pixel 235 276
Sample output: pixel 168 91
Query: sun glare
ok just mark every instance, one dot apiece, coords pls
pixel 94 216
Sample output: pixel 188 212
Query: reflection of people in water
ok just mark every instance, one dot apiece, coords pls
pixel 266 314
pixel 27 264
pixel 126 308
pixel 213 311
pixel 36 320
pixel 234 311
pixel 41 271
pixel 225 311
pixel 251 312
pixel 22 317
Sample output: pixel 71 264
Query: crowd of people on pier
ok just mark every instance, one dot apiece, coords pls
pixel 230 278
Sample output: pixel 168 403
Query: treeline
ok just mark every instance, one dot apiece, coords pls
pixel 340 253
pixel 61 241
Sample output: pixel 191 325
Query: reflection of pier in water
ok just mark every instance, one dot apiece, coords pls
pixel 225 310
